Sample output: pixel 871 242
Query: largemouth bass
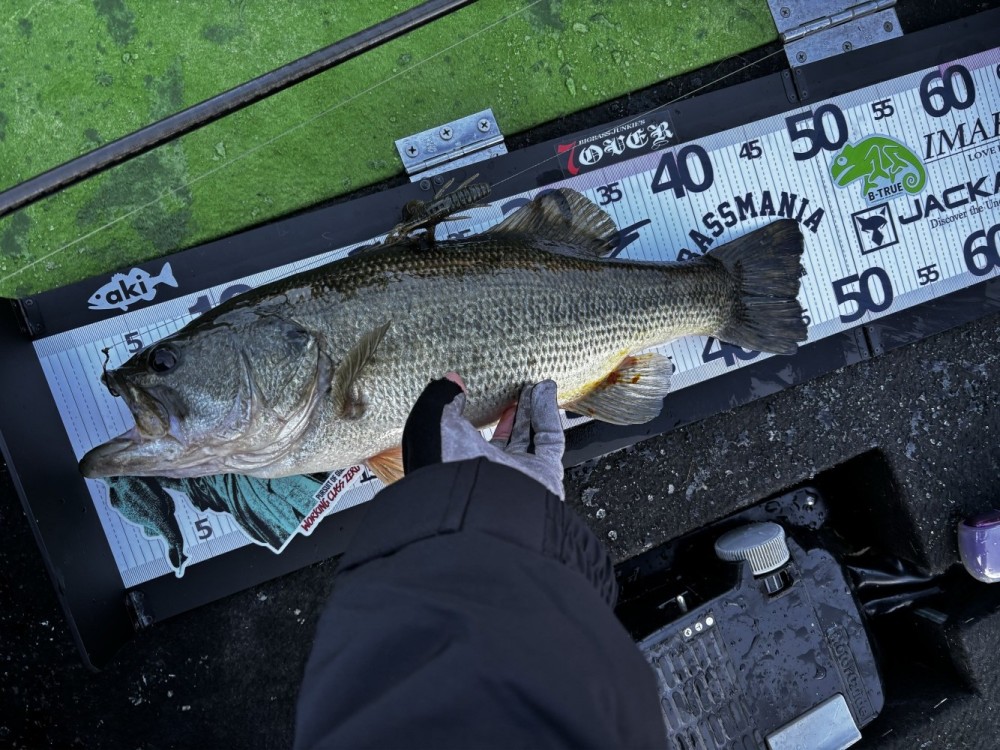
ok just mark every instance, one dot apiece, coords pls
pixel 318 371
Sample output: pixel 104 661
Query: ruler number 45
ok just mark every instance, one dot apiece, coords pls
pixel 751 149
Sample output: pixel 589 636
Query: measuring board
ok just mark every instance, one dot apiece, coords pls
pixel 894 181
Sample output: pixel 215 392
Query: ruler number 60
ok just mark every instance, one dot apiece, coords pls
pixel 981 251
pixel 939 94
pixel 816 130
pixel 863 296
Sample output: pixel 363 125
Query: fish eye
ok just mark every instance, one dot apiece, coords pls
pixel 841 160
pixel 162 358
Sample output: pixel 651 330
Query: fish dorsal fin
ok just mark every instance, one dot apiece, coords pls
pixel 387 465
pixel 566 218
pixel 346 395
pixel 631 394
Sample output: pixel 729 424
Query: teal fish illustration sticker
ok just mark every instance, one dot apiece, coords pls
pixel 886 167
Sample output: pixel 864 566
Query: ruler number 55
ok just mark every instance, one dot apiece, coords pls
pixel 882 109
pixel 826 128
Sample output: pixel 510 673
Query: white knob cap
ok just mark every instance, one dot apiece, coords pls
pixel 760 544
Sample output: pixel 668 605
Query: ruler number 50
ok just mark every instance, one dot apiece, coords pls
pixel 863 295
pixel 814 127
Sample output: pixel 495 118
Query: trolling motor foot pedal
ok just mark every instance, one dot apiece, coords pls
pixel 755 640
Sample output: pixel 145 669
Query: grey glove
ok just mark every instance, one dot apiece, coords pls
pixel 436 432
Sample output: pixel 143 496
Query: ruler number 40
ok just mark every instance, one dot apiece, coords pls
pixel 677 169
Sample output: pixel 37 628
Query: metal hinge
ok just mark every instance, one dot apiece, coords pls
pixel 453 144
pixel 814 30
pixel 29 318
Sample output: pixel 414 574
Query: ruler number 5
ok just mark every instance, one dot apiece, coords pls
pixel 818 135
pixel 133 342
pixel 204 528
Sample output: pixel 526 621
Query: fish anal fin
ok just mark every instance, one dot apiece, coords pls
pixel 566 218
pixel 346 394
pixel 632 393
pixel 387 465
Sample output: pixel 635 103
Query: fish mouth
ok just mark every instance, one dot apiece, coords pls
pixel 130 454
pixel 111 458
pixel 148 448
pixel 152 409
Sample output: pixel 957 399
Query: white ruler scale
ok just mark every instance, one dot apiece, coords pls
pixel 896 187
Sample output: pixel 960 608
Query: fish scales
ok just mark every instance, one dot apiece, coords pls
pixel 553 316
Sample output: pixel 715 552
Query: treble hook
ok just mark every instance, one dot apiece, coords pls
pixel 106 351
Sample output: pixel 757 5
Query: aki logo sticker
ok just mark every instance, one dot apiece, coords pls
pixel 126 288
pixel 885 167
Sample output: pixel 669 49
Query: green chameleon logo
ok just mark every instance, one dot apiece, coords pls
pixel 886 166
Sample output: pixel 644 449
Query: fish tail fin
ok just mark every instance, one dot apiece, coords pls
pixel 167 275
pixel 766 265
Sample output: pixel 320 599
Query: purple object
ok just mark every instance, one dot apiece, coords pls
pixel 979 545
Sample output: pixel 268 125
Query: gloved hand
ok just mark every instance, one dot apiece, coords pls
pixel 529 439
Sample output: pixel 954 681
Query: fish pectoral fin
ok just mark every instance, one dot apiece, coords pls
pixel 346 394
pixel 387 465
pixel 565 217
pixel 631 394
